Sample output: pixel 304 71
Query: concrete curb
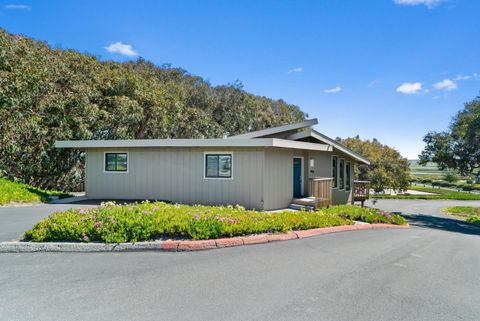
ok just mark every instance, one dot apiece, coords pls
pixel 68 200
pixel 188 245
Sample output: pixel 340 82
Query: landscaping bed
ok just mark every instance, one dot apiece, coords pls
pixel 113 223
pixel 13 192
pixel 470 214
pixel 438 194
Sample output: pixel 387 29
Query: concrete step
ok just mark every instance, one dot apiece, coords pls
pixel 299 207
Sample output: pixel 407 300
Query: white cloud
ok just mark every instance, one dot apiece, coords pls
pixel 17 7
pixel 409 88
pixel 122 49
pixel 446 84
pixel 296 69
pixel 429 3
pixel 462 77
pixel 474 76
pixel 373 83
pixel 333 90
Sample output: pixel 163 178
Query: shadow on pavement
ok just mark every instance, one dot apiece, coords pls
pixel 442 223
pixel 100 201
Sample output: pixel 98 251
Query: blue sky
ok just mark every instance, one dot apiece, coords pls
pixel 389 69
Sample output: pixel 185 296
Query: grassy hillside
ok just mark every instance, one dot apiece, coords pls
pixel 23 193
pixel 428 171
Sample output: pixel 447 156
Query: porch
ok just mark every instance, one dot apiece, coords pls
pixel 320 193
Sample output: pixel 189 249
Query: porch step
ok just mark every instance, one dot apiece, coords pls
pixel 306 203
pixel 299 207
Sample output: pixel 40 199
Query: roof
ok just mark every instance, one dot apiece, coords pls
pixel 243 140
pixel 327 140
pixel 276 130
pixel 261 142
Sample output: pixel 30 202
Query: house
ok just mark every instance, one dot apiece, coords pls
pixel 267 169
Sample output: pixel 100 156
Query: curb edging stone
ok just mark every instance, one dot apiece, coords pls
pixel 181 246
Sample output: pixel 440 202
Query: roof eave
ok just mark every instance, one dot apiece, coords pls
pixel 185 143
pixel 328 140
pixel 276 130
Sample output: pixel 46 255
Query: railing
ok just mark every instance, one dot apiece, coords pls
pixel 321 189
pixel 361 191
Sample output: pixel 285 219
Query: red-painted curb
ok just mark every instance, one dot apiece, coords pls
pixel 196 245
pixel 266 238
pixel 228 242
pixel 170 245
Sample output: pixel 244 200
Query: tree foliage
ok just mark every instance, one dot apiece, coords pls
pixel 459 147
pixel 387 169
pixel 51 94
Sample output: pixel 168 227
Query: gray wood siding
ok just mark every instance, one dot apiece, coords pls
pixel 177 175
pixel 278 185
pixel 323 168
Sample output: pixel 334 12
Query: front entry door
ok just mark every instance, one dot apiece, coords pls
pixel 297 177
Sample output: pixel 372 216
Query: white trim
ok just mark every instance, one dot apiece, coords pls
pixel 339 178
pixel 302 173
pixel 331 171
pixel 215 142
pixel 115 152
pixel 215 152
pixel 327 140
pixel 350 181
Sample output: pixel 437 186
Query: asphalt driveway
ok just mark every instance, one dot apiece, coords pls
pixel 428 272
pixel 15 220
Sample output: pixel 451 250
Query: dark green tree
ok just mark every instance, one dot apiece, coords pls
pixel 51 94
pixel 387 169
pixel 459 147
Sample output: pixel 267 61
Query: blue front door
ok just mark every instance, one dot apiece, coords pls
pixel 297 177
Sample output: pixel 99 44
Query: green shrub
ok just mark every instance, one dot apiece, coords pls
pixel 474 219
pixel 368 215
pixel 114 223
pixel 468 188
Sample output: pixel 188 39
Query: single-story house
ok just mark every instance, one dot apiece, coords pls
pixel 265 170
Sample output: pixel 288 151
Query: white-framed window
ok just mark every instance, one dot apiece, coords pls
pixel 341 169
pixel 348 176
pixel 218 165
pixel 334 171
pixel 115 162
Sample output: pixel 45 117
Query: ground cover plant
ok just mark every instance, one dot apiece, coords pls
pixel 470 213
pixel 23 193
pixel 114 223
pixel 439 193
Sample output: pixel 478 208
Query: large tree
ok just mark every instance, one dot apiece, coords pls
pixel 459 147
pixel 387 169
pixel 49 94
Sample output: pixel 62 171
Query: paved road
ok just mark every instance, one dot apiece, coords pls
pixel 429 272
pixel 15 220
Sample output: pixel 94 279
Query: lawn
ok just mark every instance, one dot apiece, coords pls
pixel 23 193
pixel 112 223
pixel 440 194
pixel 470 213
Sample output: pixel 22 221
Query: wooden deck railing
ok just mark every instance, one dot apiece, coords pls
pixel 321 189
pixel 361 191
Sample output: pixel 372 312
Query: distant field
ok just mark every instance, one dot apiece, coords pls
pixel 430 170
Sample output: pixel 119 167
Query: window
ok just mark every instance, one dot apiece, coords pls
pixel 116 162
pixel 348 176
pixel 218 165
pixel 334 171
pixel 341 167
